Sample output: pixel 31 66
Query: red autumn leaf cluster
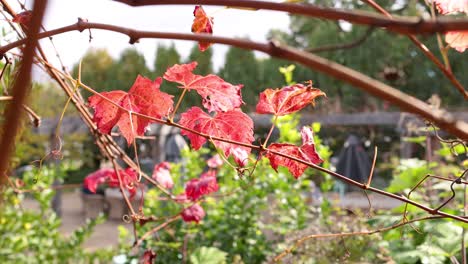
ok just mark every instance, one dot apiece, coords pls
pixel 287 100
pixel 218 95
pixel 204 185
pixel 202 24
pixel 128 176
pixel 305 152
pixel 194 213
pixel 114 108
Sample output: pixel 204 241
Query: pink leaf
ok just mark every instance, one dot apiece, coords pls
pixel 241 156
pixel 194 213
pixel 214 162
pixel 218 95
pixel 457 40
pixel 451 6
pixel 305 152
pixel 162 175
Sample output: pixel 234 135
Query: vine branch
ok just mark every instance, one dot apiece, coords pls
pixel 406 102
pixel 403 25
pixel 20 87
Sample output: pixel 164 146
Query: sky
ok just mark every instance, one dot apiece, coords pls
pixel 227 22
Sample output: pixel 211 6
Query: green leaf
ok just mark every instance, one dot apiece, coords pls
pixel 208 255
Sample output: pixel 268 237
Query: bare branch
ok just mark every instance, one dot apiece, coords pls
pixel 300 241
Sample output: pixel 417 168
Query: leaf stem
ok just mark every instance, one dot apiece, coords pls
pixel 273 125
pixel 178 103
pixel 442 49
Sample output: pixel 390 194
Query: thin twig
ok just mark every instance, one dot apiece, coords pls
pixel 349 45
pixel 371 173
pixel 300 241
pixel 156 229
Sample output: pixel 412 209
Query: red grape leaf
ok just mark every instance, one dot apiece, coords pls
pixel 162 175
pixel 96 178
pixel 202 24
pixel 214 162
pixel 148 257
pixel 194 213
pixel 233 125
pixel 305 152
pixel 144 97
pixel 129 179
pixel 287 100
pixel 457 40
pixel 218 95
pixel 206 184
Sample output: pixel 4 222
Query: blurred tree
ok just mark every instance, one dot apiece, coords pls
pixel 125 70
pixel 165 57
pixel 95 69
pixel 382 55
pixel 204 59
